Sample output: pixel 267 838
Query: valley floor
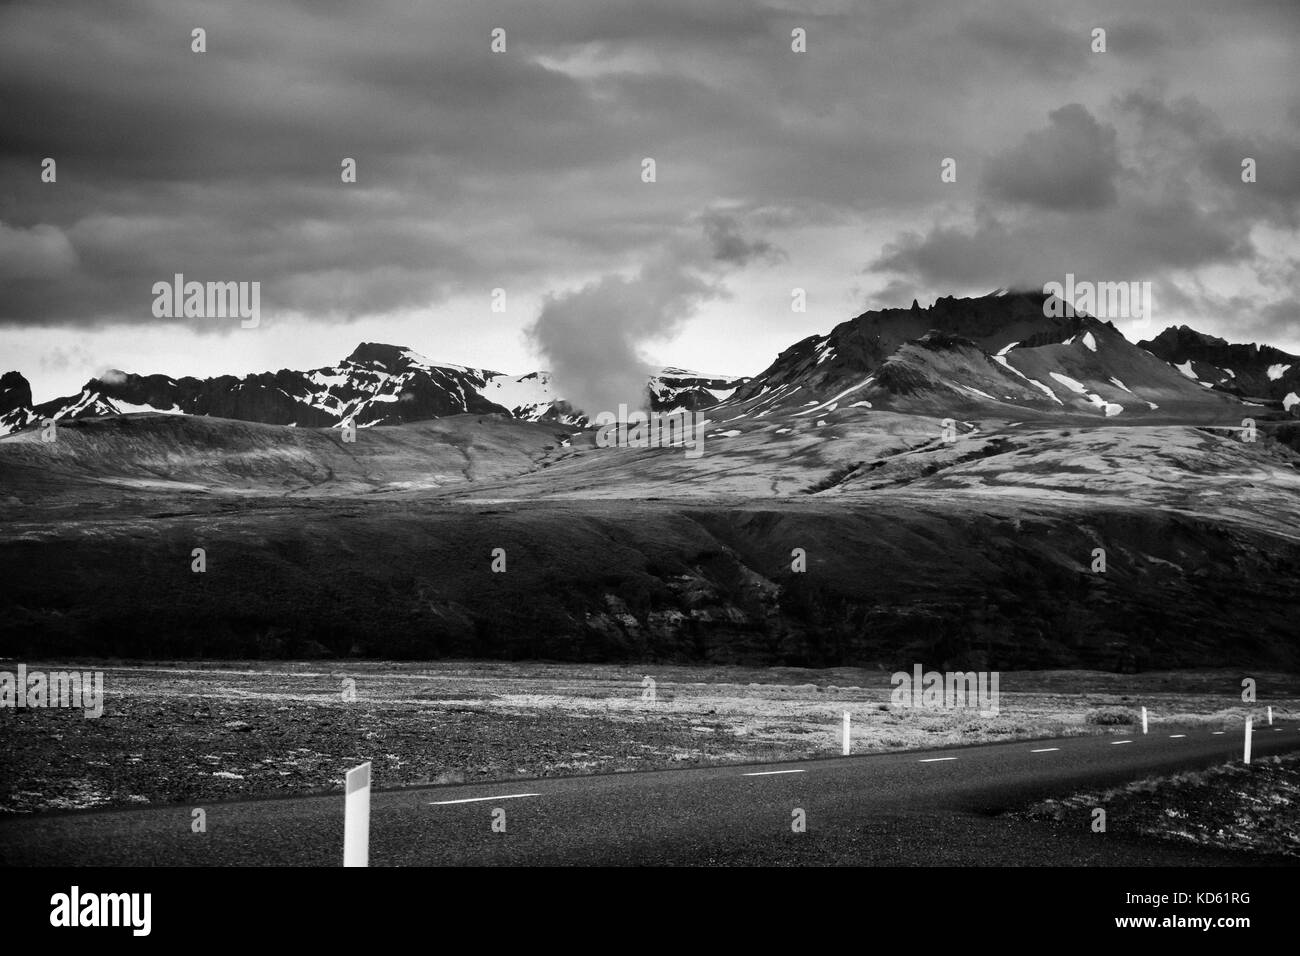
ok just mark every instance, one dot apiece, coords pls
pixel 209 731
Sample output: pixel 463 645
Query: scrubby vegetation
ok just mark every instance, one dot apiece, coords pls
pixel 1242 807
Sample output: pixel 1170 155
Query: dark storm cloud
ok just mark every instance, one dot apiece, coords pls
pixel 1149 191
pixel 225 164
pixel 1031 39
pixel 1137 242
pixel 729 246
pixel 209 164
pixel 1189 127
pixel 478 170
pixel 1072 164
pixel 40 252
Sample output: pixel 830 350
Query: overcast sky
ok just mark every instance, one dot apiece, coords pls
pixel 522 170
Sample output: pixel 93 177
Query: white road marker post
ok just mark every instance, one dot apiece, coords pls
pixel 356 817
pixel 1247 757
pixel 847 741
pixel 1144 720
pixel 1270 715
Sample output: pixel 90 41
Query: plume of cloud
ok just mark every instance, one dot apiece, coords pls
pixel 592 337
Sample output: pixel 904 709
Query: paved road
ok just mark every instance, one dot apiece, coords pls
pixel 915 808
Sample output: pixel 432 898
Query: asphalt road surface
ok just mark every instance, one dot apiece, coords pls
pixel 918 808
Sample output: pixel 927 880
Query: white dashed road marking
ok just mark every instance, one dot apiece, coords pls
pixel 769 773
pixel 503 796
pixel 1116 743
pixel 1045 750
pixel 936 759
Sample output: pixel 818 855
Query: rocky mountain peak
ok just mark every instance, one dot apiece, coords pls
pixel 15 392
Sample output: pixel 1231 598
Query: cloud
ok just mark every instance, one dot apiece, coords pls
pixel 58 359
pixel 1071 165
pixel 1137 242
pixel 474 169
pixel 1030 39
pixel 521 170
pixel 1143 189
pixel 729 246
pixel 41 252
pixel 1190 129
pixel 592 337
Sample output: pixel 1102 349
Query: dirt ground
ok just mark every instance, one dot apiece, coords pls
pixel 184 732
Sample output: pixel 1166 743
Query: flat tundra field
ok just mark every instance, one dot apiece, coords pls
pixel 172 733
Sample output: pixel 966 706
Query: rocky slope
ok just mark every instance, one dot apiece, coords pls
pixel 1256 372
pixel 995 354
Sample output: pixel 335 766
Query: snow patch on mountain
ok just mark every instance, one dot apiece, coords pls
pixel 1110 408
pixel 1047 389
pixel 127 408
pixel 1032 381
pixel 1073 385
pixel 848 391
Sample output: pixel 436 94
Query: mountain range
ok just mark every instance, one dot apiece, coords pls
pixel 996 352
pixel 917 484
pixel 375 385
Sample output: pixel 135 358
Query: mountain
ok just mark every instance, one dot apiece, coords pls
pixel 825 364
pixel 679 388
pixel 376 385
pixel 996 354
pixel 15 403
pixel 1259 373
